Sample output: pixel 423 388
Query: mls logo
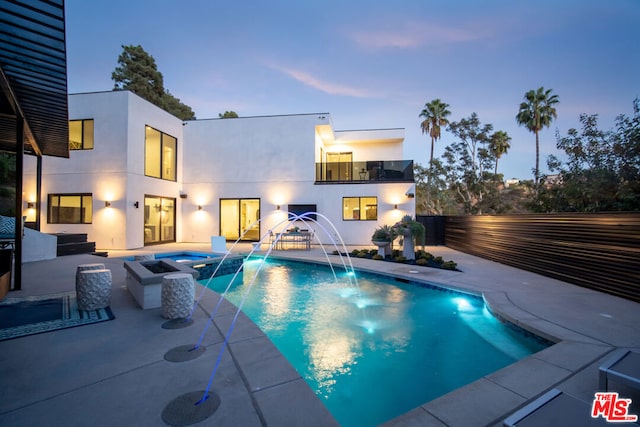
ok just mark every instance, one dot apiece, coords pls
pixel 612 408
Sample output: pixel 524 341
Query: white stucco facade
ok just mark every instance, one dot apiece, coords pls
pixel 271 159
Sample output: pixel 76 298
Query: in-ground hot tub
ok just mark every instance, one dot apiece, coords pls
pixel 144 278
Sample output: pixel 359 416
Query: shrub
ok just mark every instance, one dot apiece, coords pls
pixel 401 258
pixel 438 260
pixel 422 261
pixel 362 254
pixel 355 252
pixel 378 257
pixel 449 265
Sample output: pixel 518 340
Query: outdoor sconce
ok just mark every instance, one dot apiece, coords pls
pixel 136 205
pixel 277 207
pixel 107 204
pixel 31 205
pixel 183 195
pixel 199 207
pixel 395 206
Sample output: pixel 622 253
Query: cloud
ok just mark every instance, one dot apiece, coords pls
pixel 414 35
pixel 324 86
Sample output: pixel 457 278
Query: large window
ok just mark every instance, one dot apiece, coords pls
pixel 239 219
pixel 159 219
pixel 70 209
pixel 81 134
pixel 160 154
pixel 338 167
pixel 359 208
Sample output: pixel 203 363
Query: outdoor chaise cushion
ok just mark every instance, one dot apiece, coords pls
pixel 7 227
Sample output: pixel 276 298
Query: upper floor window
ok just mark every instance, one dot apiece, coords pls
pixel 160 154
pixel 81 134
pixel 359 208
pixel 70 208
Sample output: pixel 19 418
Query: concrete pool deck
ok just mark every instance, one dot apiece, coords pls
pixel 114 373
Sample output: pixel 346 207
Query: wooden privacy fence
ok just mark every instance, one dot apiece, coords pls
pixel 597 251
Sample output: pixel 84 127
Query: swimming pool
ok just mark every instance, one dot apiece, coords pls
pixel 380 349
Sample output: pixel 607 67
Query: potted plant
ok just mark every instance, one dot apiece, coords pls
pixel 383 237
pixel 412 233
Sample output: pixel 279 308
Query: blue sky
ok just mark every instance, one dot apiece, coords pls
pixel 374 64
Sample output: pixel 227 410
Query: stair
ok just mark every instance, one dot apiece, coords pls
pixel 73 244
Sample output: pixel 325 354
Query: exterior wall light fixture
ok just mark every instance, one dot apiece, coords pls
pixel 199 207
pixel 31 205
pixel 395 206
pixel 278 207
pixel 136 204
pixel 107 204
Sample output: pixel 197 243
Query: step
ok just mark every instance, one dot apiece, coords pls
pixel 76 248
pixel 70 237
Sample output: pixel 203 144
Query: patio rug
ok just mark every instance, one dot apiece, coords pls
pixel 33 315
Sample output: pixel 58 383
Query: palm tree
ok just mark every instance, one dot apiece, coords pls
pixel 536 113
pixel 435 116
pixel 499 145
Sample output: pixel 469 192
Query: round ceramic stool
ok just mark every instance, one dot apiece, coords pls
pixel 178 294
pixel 83 267
pixel 93 289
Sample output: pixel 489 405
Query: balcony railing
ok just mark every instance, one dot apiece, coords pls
pixel 366 171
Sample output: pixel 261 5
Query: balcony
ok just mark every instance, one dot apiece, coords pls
pixel 372 171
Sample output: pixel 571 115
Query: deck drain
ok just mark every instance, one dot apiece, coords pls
pixel 177 323
pixel 190 408
pixel 184 353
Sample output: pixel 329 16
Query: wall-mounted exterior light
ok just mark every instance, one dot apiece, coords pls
pixel 136 204
pixel 107 204
pixel 199 207
pixel 31 205
pixel 277 207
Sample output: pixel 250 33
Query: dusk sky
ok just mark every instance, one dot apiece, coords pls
pixel 374 64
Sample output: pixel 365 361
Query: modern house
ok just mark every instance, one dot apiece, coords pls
pixel 136 176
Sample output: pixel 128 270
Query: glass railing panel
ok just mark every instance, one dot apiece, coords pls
pixel 365 171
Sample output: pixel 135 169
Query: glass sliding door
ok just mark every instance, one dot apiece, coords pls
pixel 237 218
pixel 159 219
pixel 339 166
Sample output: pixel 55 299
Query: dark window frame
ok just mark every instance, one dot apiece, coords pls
pixel 83 143
pixel 51 208
pixel 360 216
pixel 161 157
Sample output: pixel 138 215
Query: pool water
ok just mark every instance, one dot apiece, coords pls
pixel 376 350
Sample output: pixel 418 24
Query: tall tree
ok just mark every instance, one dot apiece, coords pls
pixel 499 145
pixel 535 113
pixel 228 115
pixel 137 72
pixel 469 157
pixel 434 115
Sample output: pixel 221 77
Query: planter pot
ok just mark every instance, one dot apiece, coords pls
pixel 384 248
pixel 408 248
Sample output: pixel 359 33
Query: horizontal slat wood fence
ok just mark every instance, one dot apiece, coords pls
pixel 596 251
